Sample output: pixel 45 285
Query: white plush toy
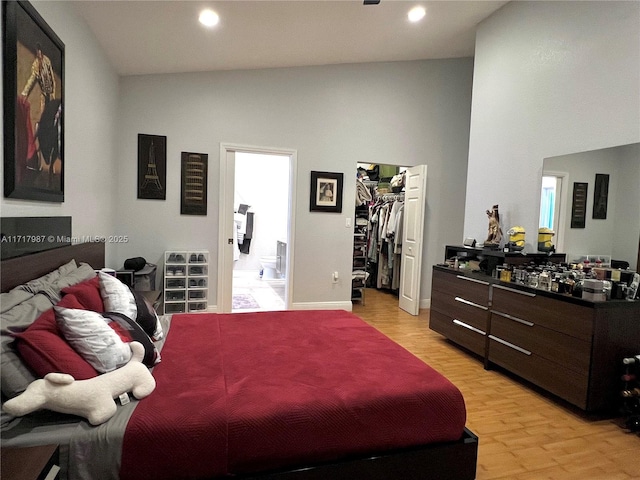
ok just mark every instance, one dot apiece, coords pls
pixel 92 398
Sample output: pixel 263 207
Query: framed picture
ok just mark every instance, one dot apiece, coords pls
pixel 326 192
pixel 33 99
pixel 152 167
pixel 579 205
pixel 193 187
pixel 600 196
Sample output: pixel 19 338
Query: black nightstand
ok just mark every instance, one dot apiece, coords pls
pixel 29 463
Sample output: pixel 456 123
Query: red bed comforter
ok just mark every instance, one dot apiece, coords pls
pixel 258 391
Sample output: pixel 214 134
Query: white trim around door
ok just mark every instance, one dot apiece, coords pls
pixel 225 230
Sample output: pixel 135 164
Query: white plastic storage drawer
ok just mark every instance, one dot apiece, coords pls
pixel 174 307
pixel 197 270
pixel 197 294
pixel 174 296
pixel 198 283
pixel 197 306
pixel 170 283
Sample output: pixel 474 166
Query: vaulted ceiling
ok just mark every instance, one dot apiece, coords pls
pixel 164 36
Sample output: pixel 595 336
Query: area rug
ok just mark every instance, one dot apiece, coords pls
pixel 243 301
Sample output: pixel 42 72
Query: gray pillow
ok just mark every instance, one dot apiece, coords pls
pixel 54 290
pixel 16 376
pixel 12 298
pixel 80 274
pixel 42 283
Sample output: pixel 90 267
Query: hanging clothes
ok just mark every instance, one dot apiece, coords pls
pixel 244 229
pixel 385 243
pixel 397 246
pixel 248 234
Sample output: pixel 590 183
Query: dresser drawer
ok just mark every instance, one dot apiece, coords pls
pixel 476 291
pixel 571 352
pixel 459 332
pixel 461 309
pixel 558 315
pixel 555 378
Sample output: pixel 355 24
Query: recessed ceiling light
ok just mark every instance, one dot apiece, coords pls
pixel 416 14
pixel 209 18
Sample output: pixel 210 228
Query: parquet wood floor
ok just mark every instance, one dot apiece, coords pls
pixel 524 433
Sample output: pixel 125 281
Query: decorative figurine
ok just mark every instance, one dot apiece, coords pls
pixel 516 239
pixel 544 240
pixel 495 232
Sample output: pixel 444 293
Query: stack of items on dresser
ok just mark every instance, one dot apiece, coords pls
pixel 596 281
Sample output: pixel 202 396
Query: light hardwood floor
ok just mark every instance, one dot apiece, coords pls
pixel 523 432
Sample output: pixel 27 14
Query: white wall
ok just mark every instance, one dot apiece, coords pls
pixel 406 113
pixel 91 98
pixel 550 78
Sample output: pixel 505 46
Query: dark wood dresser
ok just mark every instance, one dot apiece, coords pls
pixel 568 346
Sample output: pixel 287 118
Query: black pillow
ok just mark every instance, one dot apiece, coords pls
pixel 146 314
pixel 135 334
pixel 135 264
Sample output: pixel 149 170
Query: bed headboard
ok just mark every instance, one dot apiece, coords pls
pixel 16 271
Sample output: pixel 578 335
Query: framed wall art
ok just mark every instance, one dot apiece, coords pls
pixel 33 102
pixel 152 167
pixel 600 196
pixel 326 192
pixel 579 205
pixel 193 187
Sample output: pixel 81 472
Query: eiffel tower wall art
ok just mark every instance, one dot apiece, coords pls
pixel 152 167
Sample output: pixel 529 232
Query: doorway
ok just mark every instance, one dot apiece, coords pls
pixel 393 237
pixel 553 204
pixel 256 226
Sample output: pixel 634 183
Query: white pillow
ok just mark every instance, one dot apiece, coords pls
pixel 119 298
pixel 88 333
pixel 116 296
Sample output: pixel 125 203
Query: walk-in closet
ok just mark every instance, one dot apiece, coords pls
pixel 378 223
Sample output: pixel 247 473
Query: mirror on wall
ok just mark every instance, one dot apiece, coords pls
pixel 605 221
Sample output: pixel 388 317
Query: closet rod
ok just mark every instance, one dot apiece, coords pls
pixel 390 196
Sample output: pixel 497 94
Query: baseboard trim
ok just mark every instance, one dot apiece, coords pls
pixel 348 306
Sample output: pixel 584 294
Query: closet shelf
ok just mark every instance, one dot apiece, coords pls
pixel 360 241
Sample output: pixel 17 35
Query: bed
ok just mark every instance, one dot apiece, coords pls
pixel 278 395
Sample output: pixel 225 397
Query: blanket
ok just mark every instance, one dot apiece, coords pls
pixel 250 392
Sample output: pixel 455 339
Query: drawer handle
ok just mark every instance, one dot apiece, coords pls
pixel 519 292
pixel 515 319
pixel 462 277
pixel 467 302
pixel 510 345
pixel 465 325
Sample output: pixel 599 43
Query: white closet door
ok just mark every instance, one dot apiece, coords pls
pixel 412 232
